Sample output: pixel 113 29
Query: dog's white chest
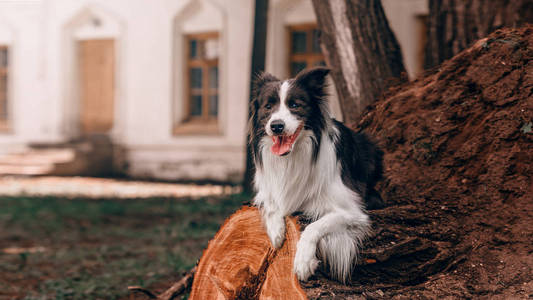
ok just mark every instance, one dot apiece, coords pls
pixel 295 182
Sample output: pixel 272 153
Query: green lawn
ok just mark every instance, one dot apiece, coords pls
pixel 94 249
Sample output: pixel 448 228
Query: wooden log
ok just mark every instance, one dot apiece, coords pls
pixel 240 263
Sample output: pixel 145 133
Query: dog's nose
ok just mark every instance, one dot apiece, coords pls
pixel 277 126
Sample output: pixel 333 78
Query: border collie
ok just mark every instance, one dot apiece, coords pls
pixel 307 162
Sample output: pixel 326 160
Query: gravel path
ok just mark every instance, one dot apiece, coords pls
pixel 105 188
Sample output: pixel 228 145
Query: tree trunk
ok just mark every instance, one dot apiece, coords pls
pixel 258 65
pixel 361 51
pixel 453 25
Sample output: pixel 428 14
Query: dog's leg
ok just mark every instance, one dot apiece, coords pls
pixel 305 261
pixel 339 251
pixel 273 219
pixel 275 227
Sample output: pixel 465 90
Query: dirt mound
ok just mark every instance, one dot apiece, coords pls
pixel 459 153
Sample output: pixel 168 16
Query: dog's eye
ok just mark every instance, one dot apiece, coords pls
pixel 268 106
pixel 293 104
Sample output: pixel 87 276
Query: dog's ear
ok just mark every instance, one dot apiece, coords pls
pixel 313 79
pixel 257 85
pixel 260 81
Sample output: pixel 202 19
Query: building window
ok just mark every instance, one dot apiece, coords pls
pixel 201 85
pixel 202 92
pixel 4 74
pixel 304 48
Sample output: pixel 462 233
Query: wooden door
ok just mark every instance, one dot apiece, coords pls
pixel 97 85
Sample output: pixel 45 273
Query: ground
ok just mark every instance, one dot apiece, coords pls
pixel 82 248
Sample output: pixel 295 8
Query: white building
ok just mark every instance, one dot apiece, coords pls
pixel 166 80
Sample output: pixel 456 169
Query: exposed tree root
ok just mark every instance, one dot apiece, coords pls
pixel 177 289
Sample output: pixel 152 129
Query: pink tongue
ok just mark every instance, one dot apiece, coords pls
pixel 282 145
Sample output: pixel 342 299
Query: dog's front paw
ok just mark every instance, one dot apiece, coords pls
pixel 276 231
pixel 305 262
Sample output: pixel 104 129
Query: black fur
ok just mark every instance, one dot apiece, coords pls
pixel 361 164
pixel 262 86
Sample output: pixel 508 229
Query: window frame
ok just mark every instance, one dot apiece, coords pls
pixel 205 65
pixel 205 124
pixel 4 71
pixel 309 57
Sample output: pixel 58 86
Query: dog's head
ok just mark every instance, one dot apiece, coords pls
pixel 282 110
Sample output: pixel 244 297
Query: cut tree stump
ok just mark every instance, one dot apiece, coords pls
pixel 240 263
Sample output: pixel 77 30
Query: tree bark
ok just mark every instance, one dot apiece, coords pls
pixel 361 51
pixel 453 25
pixel 258 65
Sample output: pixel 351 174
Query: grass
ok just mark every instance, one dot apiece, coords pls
pixel 94 249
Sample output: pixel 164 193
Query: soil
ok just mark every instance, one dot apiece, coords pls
pixel 458 182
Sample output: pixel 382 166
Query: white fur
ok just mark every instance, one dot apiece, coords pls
pixel 293 183
pixel 283 113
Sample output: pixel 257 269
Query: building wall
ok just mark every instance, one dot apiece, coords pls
pixel 150 74
pixel 148 67
pixel 20 25
pixel 154 150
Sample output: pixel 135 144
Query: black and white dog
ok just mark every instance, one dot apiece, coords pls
pixel 310 163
